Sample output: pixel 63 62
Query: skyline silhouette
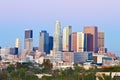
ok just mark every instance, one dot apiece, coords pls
pixel 16 16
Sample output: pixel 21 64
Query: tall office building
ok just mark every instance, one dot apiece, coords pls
pixel 44 42
pixel 92 38
pixel 0 50
pixel 57 44
pixel 67 31
pixel 100 39
pixel 78 42
pixel 18 45
pixel 50 43
pixel 14 51
pixel 28 45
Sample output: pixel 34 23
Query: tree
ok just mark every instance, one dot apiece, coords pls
pixel 30 77
pixel 3 76
pixel 19 73
pixel 10 68
pixel 47 65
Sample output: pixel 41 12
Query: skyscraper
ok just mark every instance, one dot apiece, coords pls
pixel 18 45
pixel 100 39
pixel 67 31
pixel 28 45
pixel 50 43
pixel 44 42
pixel 14 51
pixel 57 44
pixel 92 38
pixel 78 42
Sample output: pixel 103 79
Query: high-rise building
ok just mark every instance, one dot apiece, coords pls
pixel 78 42
pixel 67 31
pixel 28 45
pixel 0 50
pixel 57 44
pixel 100 39
pixel 92 38
pixel 18 45
pixel 14 51
pixel 50 43
pixel 35 49
pixel 44 42
pixel 5 50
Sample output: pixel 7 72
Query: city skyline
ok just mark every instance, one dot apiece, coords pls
pixel 35 44
pixel 37 15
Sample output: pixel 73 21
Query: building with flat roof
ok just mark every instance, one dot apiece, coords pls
pixel 28 40
pixel 67 31
pixel 44 42
pixel 92 38
pixel 100 39
pixel 78 42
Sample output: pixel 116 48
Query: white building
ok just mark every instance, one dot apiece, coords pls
pixel 28 40
pixel 5 52
pixel 29 58
pixel 67 31
pixel 100 58
pixel 78 42
pixel 58 56
pixel 18 45
pixel 57 42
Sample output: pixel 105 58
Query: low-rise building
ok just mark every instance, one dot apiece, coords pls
pixel 82 57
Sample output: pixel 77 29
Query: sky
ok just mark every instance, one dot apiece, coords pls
pixel 18 15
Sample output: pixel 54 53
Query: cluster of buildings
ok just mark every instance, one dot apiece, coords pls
pixel 63 49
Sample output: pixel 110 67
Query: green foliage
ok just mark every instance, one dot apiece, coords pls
pixel 26 71
pixel 19 73
pixel 104 77
pixel 30 77
pixel 112 69
pixel 10 68
pixel 116 78
pixel 3 76
pixel 23 65
pixel 89 76
pixel 79 69
pixel 37 71
pixel 47 66
pixel 67 74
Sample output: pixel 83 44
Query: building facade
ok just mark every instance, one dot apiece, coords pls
pixel 28 42
pixel 57 42
pixel 100 39
pixel 50 43
pixel 92 38
pixel 82 57
pixel 78 42
pixel 18 45
pixel 67 31
pixel 44 42
pixel 14 51
pixel 68 57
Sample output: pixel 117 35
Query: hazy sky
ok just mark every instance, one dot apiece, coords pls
pixel 17 15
